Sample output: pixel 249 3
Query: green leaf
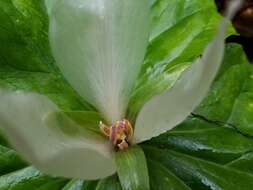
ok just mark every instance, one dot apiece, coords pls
pixel 132 169
pixel 163 179
pixel 209 141
pixel 205 152
pixel 244 163
pixel 80 185
pixel 29 179
pixel 74 185
pixel 3 140
pixel 10 160
pixel 110 183
pixel 200 174
pixel 90 185
pixel 230 99
pixel 26 62
pixel 23 36
pixel 180 31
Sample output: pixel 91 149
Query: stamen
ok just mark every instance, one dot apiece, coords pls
pixel 104 129
pixel 120 133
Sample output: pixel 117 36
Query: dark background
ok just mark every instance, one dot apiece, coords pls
pixel 243 23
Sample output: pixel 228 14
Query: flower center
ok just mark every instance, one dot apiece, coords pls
pixel 120 133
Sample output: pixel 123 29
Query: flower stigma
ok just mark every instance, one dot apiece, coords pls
pixel 119 134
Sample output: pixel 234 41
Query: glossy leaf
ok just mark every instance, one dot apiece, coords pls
pixel 80 185
pixel 24 42
pixel 180 32
pixel 30 179
pixel 163 179
pixel 208 141
pixel 26 62
pixel 10 160
pixel 74 185
pixel 231 96
pixel 205 140
pixel 244 163
pixel 110 183
pixel 163 112
pixel 132 169
pixel 200 174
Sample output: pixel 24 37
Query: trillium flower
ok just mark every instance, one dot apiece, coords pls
pixel 99 46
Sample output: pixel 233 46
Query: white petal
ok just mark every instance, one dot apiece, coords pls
pixel 39 137
pixel 165 111
pixel 99 46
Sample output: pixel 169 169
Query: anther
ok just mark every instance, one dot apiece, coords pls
pixel 120 133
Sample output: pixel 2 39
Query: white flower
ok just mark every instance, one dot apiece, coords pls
pixel 99 46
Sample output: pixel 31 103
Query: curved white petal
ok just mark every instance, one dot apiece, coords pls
pixel 40 138
pixel 99 46
pixel 165 111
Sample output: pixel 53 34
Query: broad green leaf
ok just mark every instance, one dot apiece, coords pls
pixel 201 174
pixel 56 184
pixel 3 140
pixel 210 140
pixel 23 36
pixel 110 183
pixel 99 46
pixel 181 30
pixel 30 179
pixel 90 185
pixel 74 185
pixel 81 185
pixel 132 169
pixel 10 160
pixel 49 140
pixel 244 163
pixel 205 140
pixel 168 109
pixel 26 62
pixel 230 99
pixel 162 179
